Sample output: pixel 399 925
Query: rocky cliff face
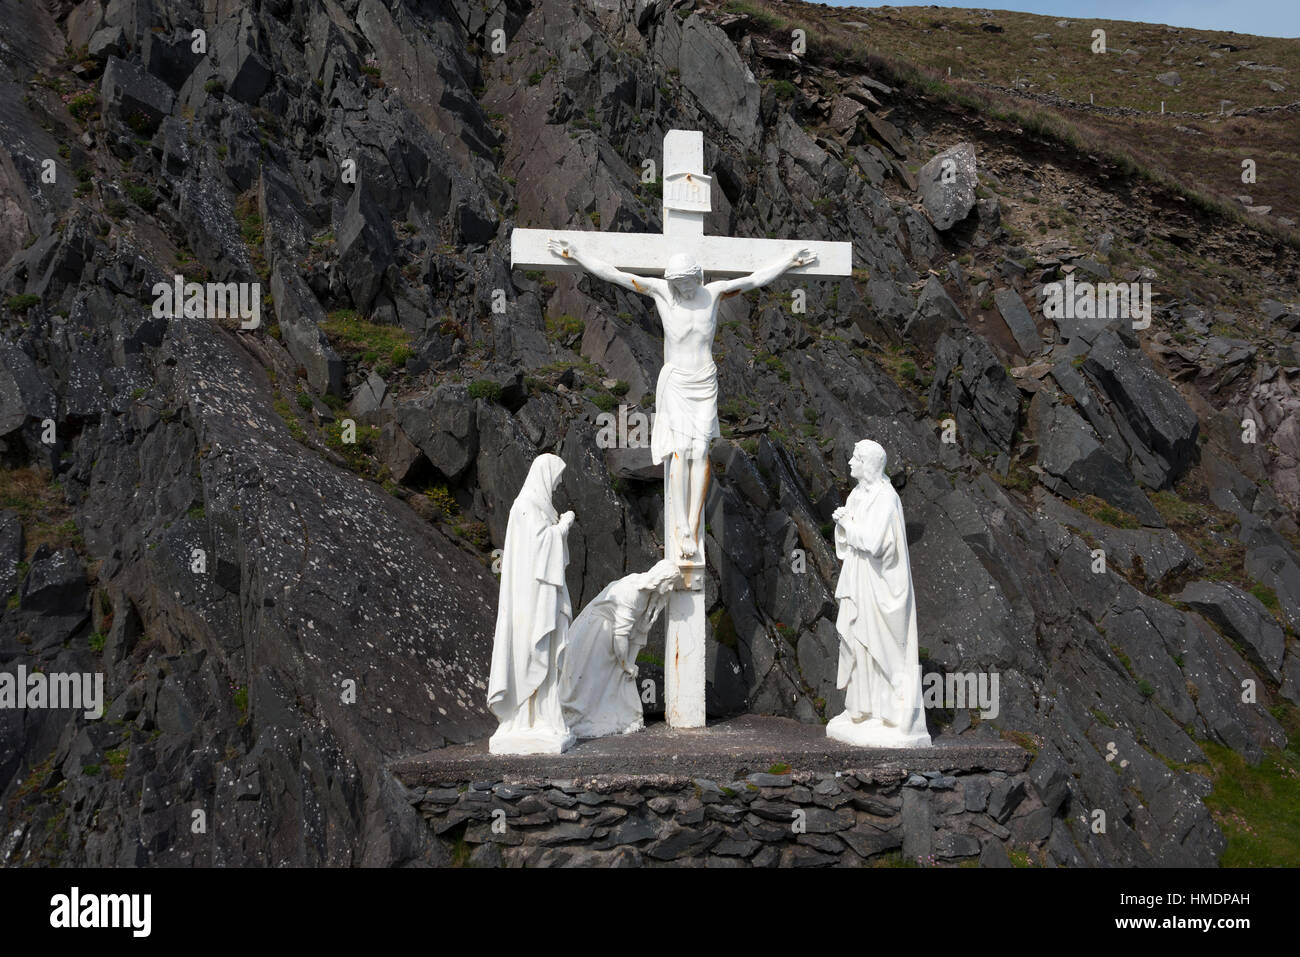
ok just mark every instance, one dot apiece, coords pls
pixel 280 611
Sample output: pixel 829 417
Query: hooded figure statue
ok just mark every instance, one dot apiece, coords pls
pixel 598 683
pixel 879 664
pixel 533 618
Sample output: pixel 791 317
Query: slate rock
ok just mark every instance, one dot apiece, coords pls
pixel 365 246
pixel 24 393
pixel 1150 404
pixel 1005 798
pixel 300 318
pixel 1019 321
pixel 1050 779
pixel 1077 464
pixel 799 855
pixel 866 840
pixel 972 385
pixel 443 425
pixel 11 550
pixel 128 91
pixel 975 792
pixel 918 824
pixel 934 315
pixel 994 854
pixel 713 72
pixel 242 67
pixel 952 844
pixel 55 583
pixel 1275 567
pixel 679 842
pixel 1243 618
pixel 947 184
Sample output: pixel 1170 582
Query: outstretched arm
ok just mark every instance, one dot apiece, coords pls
pixel 646 286
pixel 762 277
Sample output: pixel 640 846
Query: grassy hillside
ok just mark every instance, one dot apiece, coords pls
pixel 1054 55
pixel 1200 155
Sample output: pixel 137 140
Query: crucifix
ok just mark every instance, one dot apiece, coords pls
pixel 686 394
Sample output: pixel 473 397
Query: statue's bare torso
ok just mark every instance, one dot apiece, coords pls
pixel 689 327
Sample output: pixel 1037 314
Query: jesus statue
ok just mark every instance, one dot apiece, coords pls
pixel 686 394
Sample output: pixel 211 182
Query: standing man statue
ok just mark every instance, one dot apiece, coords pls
pixel 686 395
pixel 879 665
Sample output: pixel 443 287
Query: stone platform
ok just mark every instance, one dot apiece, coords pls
pixel 725 750
pixel 747 792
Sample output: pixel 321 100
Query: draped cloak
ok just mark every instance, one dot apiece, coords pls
pixel 534 610
pixel 879 662
pixel 598 685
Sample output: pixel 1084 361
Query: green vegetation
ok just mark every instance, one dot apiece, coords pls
pixel 356 453
pixel 775 364
pixel 356 337
pixel 604 401
pixel 116 761
pixel 1267 597
pixel 724 629
pixel 1106 513
pixel 476 533
pixel 241 703
pixel 1022 738
pixel 648 657
pixel 96 642
pixel 217 86
pixel 142 196
pixel 45 515
pixel 779 768
pixel 784 89
pixel 22 302
pixel 249 217
pixel 285 411
pixel 142 123
pixel 485 389
pixel 1206 529
pixel 564 328
pixel 84 105
pixel 1258 806
pixel 442 498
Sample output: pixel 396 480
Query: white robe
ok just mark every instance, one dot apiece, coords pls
pixel 534 612
pixel 879 662
pixel 598 685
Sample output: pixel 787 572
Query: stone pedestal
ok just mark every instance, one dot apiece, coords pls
pixel 872 733
pixel 529 742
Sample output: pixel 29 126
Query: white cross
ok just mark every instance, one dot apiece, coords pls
pixel 686 201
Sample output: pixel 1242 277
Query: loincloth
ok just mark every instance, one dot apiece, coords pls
pixel 686 411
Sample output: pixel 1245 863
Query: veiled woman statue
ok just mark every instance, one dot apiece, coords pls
pixel 879 664
pixel 532 621
pixel 598 685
